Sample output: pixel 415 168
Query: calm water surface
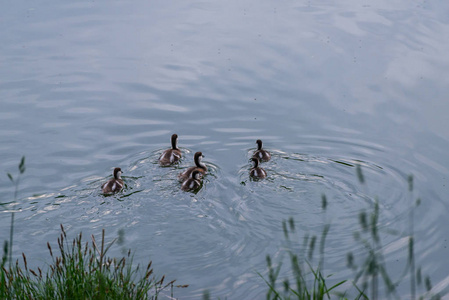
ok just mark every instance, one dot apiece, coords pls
pixel 88 86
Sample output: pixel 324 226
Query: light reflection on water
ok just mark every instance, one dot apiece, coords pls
pixel 326 87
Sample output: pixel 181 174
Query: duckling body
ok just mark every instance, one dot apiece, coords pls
pixel 115 184
pixel 171 156
pixel 193 183
pixel 257 172
pixel 201 167
pixel 261 154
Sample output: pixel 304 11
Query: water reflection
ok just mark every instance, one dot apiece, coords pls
pixel 326 86
pixel 232 217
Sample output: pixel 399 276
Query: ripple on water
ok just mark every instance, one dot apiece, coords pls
pixel 296 183
pixel 235 219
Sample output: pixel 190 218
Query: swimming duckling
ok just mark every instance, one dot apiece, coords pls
pixel 257 172
pixel 171 156
pixel 198 166
pixel 115 184
pixel 260 153
pixel 193 183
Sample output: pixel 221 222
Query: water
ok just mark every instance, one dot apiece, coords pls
pixel 88 86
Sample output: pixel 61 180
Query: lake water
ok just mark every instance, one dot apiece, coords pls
pixel 90 85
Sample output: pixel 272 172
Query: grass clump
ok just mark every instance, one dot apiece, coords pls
pixel 81 271
pixel 308 281
pixel 370 268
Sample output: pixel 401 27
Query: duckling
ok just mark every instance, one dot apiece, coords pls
pixel 257 172
pixel 193 183
pixel 115 184
pixel 171 156
pixel 198 166
pixel 260 153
